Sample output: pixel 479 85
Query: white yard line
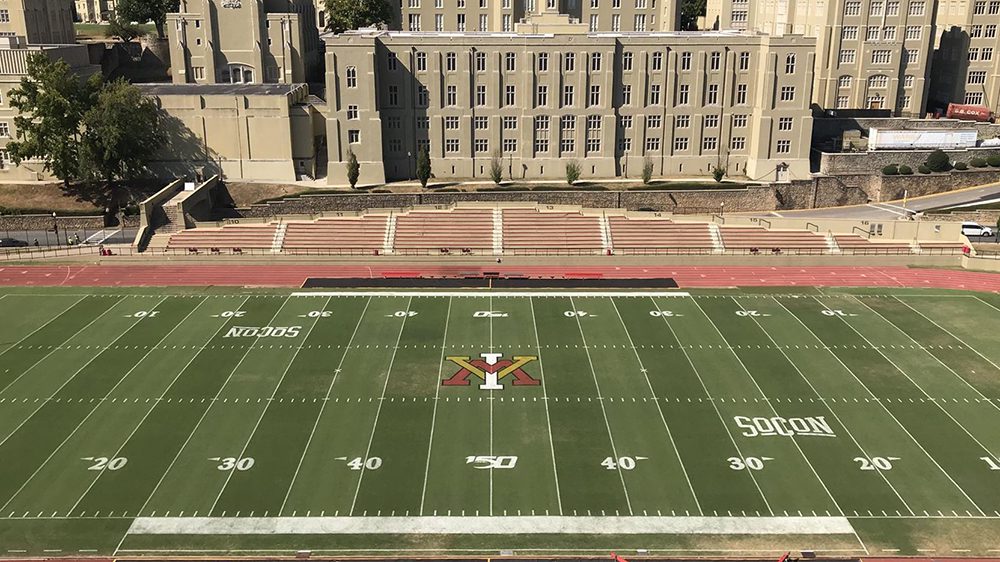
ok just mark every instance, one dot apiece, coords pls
pixel 831 410
pixel 763 395
pixel 322 408
pixel 600 399
pixel 973 296
pixel 100 351
pixel 437 394
pixel 95 408
pixel 33 332
pixel 208 409
pixel 485 294
pixel 715 405
pixel 490 399
pixel 267 405
pixel 479 525
pixel 381 400
pixel 884 407
pixel 659 409
pixel 545 400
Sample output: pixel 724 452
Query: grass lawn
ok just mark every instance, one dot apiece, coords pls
pixel 722 422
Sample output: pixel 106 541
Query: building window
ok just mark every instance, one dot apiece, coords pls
pixel 421 62
pixel 423 96
pixel 543 62
pixel 509 145
pixel 680 144
pixel 712 96
pixel 508 23
pixel 451 97
pixel 738 143
pixel 974 98
pixel 353 136
pixel 394 96
pixel 881 56
pixel 843 102
pixel 878 81
pixel 451 123
pixel 438 22
pixel 595 62
pixel 569 62
pixel 450 62
pixel 626 121
pixel 976 77
pixel 849 33
pixel 567 122
pixel 844 81
pixel 741 94
pixel 392 62
pixel 784 123
pixel 4 16
pixel 640 22
pixel 199 72
pixel 595 95
pixel 847 56
pixel 480 61
pixel 914 32
pixel 509 123
pixel 451 145
pixel 395 145
pixel 4 129
pixel 909 80
pixel 711 121
pixel 508 95
pixel 852 8
pixel 686 61
pixel 784 147
pixel 873 33
pixel 683 94
pixel 542 96
pixel 654 94
pixel 351 75
pixel 593 144
pixel 616 22
pixel 567 96
pixel 682 121
pixel 480 95
pixel 892 8
pixel 594 25
pixel 625 144
pixel 653 121
pixel 905 101
pixel 483 22
pixel 715 61
pixel 423 122
pixel 875 9
pixel 460 22
pixel 739 121
pixel 790 64
pixel 787 93
pixel 352 112
pixel 626 62
pixel 657 63
pixel 481 123
pixel 710 143
pixel 652 144
pixel 979 8
pixel 567 144
pixel 918 8
pixel 626 94
pixel 414 22
pixel 744 61
pixel 510 61
pixel 482 145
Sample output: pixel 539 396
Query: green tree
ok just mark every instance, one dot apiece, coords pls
pixel 123 29
pixel 344 15
pixel 572 172
pixel 353 168
pixel 51 101
pixel 647 170
pixel 142 11
pixel 423 166
pixel 120 133
pixel 496 167
pixel 938 161
pixel 691 10
pixel 718 173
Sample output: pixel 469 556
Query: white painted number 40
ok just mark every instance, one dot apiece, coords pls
pixel 624 463
pixel 371 463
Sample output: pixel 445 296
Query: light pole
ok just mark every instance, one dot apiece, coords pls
pixel 409 159
pixel 55 227
pixel 722 209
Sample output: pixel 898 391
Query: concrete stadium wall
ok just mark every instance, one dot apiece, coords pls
pixel 873 162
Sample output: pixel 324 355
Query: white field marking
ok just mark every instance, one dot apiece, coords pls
pixel 715 404
pixel 447 525
pixel 55 348
pixel 958 339
pixel 95 408
pixel 833 413
pixel 326 399
pixel 769 404
pixel 267 405
pixel 607 424
pixel 659 409
pixel 545 400
pixel 33 332
pixel 604 551
pixel 101 350
pixel 920 388
pixel 437 394
pixel 882 404
pixel 491 408
pixel 381 400
pixel 150 411
pixel 207 410
pixel 485 294
pixel 973 296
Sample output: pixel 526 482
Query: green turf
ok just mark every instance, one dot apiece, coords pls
pixel 150 381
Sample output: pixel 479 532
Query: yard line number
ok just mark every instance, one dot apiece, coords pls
pixel 143 314
pixel 489 462
pixel 836 312
pixel 875 463
pixel 753 313
pixel 624 463
pixel 229 463
pixel 317 314
pixel 663 313
pixel 231 314
pixel 105 463
pixel 577 314
pixel 748 463
pixel 371 463
pixel 991 462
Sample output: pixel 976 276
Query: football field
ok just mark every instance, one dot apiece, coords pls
pixel 728 422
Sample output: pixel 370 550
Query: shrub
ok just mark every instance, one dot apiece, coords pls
pixel 905 170
pixel 647 170
pixel 938 161
pixel 572 172
pixel 993 161
pixel 890 170
pixel 977 162
pixel 961 166
pixel 423 167
pixel 353 168
pixel 718 173
pixel 923 169
pixel 496 167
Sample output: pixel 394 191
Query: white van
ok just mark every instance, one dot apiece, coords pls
pixel 976 229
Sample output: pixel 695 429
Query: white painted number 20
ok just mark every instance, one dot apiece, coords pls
pixel 106 463
pixel 876 463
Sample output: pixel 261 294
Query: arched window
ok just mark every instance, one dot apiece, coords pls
pixel 238 74
pixel 352 77
pixel 879 81
pixel 790 64
pixel 845 81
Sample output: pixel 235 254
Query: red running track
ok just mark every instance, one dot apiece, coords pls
pixel 295 275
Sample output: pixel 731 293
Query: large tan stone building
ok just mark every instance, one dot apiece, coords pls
pixel 38 21
pixel 244 41
pixel 14 66
pixel 94 11
pixel 504 15
pixel 871 54
pixel 689 102
pixel 967 59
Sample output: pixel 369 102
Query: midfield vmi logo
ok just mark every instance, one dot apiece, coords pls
pixel 491 369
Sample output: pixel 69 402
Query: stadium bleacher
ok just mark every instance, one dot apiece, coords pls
pixel 631 235
pixel 531 229
pixel 448 231
pixel 365 232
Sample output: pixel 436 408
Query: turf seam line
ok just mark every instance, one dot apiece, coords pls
pixel 437 394
pixel 545 402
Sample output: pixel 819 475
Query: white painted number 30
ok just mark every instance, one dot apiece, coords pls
pixel 229 463
pixel 748 463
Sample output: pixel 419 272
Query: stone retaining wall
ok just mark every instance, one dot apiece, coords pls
pixel 873 162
